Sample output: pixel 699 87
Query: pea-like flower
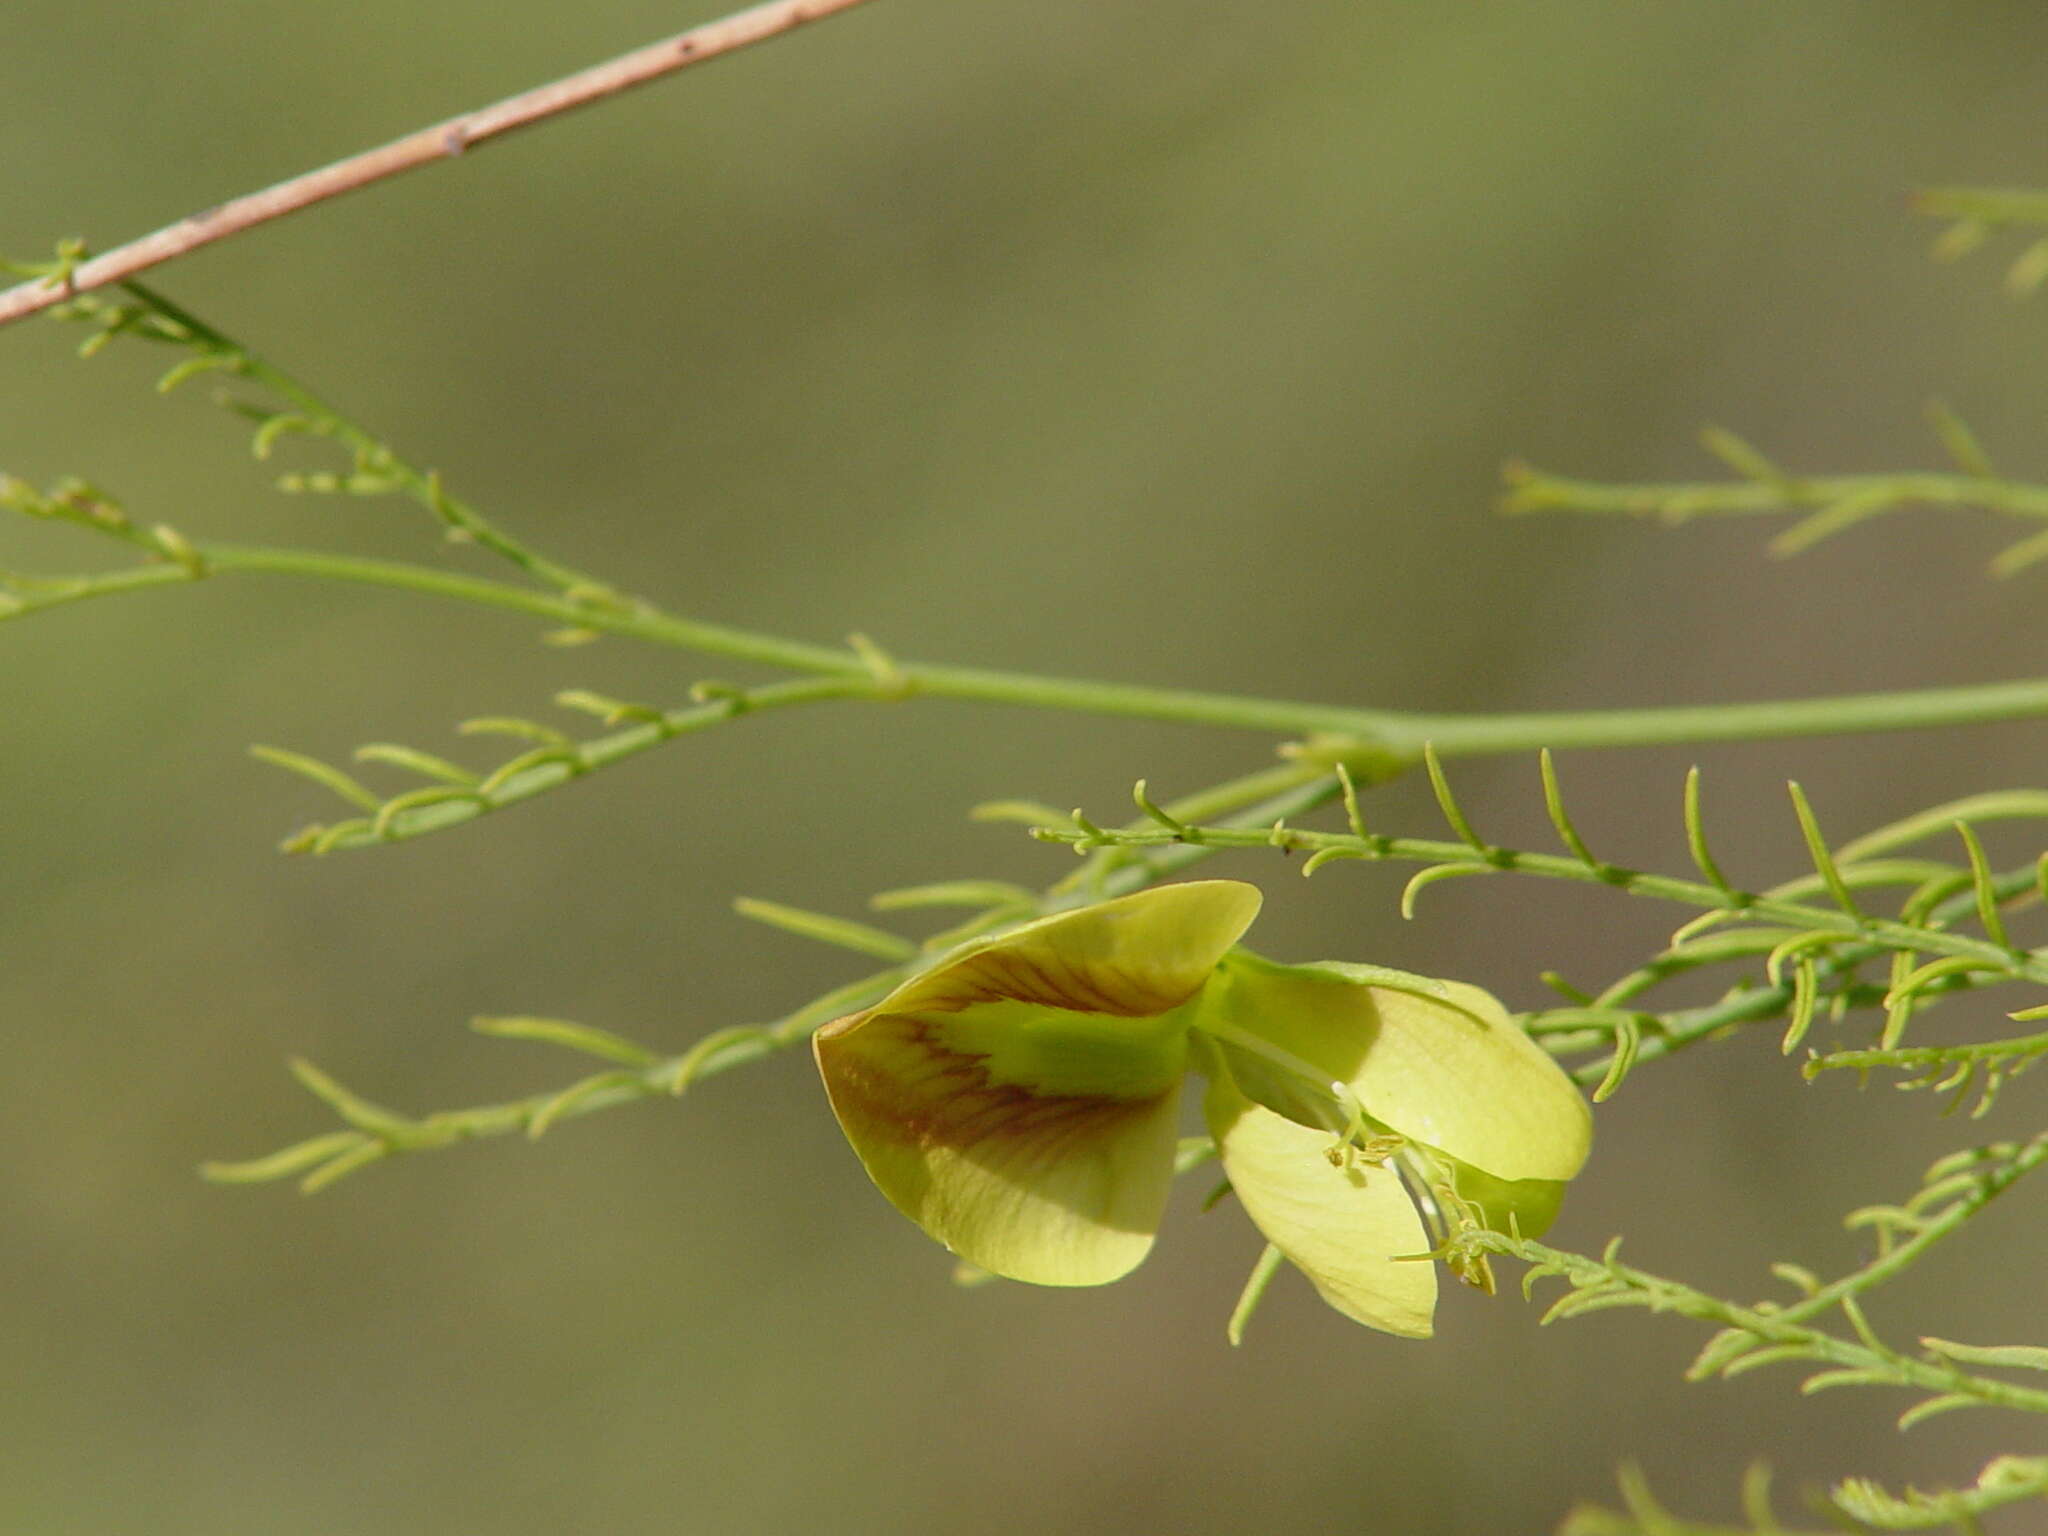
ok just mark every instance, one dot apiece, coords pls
pixel 1020 1100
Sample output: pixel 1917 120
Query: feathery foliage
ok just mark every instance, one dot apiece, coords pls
pixel 1841 962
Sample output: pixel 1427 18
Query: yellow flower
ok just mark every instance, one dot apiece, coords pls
pixel 1020 1100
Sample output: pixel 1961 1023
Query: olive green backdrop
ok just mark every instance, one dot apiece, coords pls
pixel 1171 343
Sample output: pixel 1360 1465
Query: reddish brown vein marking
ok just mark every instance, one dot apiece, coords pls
pixel 947 1099
pixel 1003 974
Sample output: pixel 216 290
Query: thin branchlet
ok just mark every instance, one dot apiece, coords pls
pixel 1955 1190
pixel 1828 504
pixel 637 1072
pixel 1804 948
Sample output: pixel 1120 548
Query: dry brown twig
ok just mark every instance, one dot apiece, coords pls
pixel 442 141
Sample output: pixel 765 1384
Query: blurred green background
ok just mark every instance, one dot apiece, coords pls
pixel 1170 344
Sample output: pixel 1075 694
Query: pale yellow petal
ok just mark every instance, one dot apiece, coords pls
pixel 1130 957
pixel 1343 1227
pixel 1018 1101
pixel 1437 1061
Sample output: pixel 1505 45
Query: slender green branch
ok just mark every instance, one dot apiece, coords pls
pixel 1341 734
pixel 1975 1178
pixel 1986 205
pixel 376 463
pixel 1777 719
pixel 458 797
pixel 2024 1047
pixel 373 1133
pixel 1372 743
pixel 1566 1032
pixel 659 629
pixel 1809 951
pixel 1981 1067
pixel 1801 965
pixel 1832 503
pixel 1298 786
pixel 2005 1480
pixel 1645 1037
pixel 1533 490
pixel 1768 1332
pixel 454 795
pixel 1297 800
pixel 1974 213
pixel 1459 856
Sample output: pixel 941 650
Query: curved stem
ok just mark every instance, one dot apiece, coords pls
pixel 437 808
pixel 1532 490
pixel 1983 205
pixel 1890 933
pixel 1473 735
pixel 1773 1326
pixel 372 1134
pixel 459 518
pixel 1370 733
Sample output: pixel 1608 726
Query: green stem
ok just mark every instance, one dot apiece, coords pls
pixel 378 1134
pixel 1293 788
pixel 461 518
pixel 1533 490
pixel 1984 205
pixel 1472 735
pixel 2018 1046
pixel 1941 1225
pixel 1784 1326
pixel 1371 733
pixel 1754 1003
pixel 1465 859
pixel 440 807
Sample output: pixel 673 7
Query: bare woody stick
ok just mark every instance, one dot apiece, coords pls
pixel 443 141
